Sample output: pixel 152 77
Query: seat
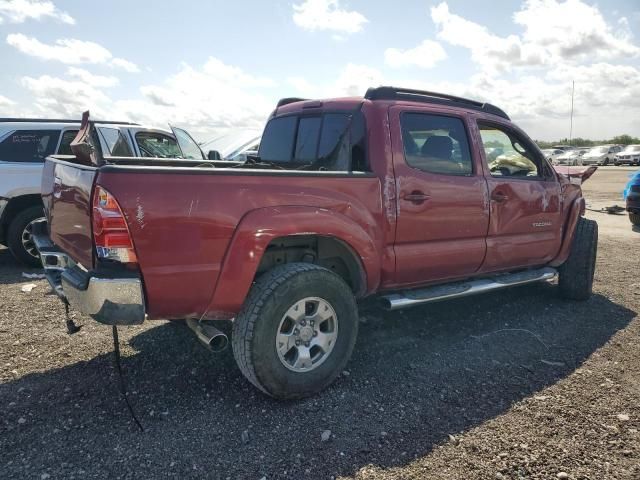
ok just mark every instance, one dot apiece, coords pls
pixel 438 146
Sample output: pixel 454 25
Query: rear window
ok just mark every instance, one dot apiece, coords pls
pixel 329 142
pixel 29 145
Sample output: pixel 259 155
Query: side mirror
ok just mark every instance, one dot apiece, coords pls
pixel 214 155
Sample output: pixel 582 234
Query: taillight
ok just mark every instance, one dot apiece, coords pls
pixel 110 232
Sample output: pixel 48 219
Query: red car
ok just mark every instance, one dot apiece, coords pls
pixel 393 195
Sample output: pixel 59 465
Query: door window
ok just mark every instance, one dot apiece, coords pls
pixel 507 155
pixel 29 145
pixel 188 145
pixel 65 143
pixel 436 144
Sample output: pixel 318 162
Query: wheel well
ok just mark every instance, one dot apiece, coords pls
pixel 14 207
pixel 328 252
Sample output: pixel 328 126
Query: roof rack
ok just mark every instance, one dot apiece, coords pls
pixel 60 120
pixel 394 93
pixel 286 101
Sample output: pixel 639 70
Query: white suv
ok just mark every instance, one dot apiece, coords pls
pixel 25 143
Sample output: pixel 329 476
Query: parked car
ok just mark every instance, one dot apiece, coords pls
pixel 552 154
pixel 571 157
pixel 391 195
pixel 632 197
pixel 630 155
pixel 24 144
pixel 234 146
pixel 601 155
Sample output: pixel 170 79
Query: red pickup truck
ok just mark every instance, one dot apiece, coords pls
pixel 407 195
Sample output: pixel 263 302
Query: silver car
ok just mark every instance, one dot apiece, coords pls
pixel 601 155
pixel 630 155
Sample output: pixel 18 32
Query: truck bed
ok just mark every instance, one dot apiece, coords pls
pixel 179 234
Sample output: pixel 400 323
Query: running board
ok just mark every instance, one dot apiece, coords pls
pixel 410 298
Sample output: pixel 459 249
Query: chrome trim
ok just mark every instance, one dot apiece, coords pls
pixel 410 298
pixel 210 336
pixel 55 260
pixel 113 301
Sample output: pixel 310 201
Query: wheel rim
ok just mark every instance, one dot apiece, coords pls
pixel 27 238
pixel 307 334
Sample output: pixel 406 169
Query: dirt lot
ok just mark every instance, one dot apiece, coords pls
pixel 518 384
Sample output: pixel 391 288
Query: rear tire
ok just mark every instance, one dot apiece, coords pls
pixel 270 314
pixel 576 274
pixel 635 218
pixel 18 236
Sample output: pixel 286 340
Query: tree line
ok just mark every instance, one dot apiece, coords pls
pixel 585 142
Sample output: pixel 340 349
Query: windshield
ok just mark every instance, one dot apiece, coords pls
pixel 632 149
pixel 157 145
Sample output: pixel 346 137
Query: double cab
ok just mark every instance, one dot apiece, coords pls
pixel 403 195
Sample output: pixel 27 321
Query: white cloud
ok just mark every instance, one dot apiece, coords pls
pixel 355 79
pixel 300 84
pixel 6 102
pixel 554 32
pixel 91 79
pixel 67 50
pixel 315 15
pixel 490 51
pixel 571 29
pixel 425 55
pixel 126 65
pixel 18 11
pixel 69 98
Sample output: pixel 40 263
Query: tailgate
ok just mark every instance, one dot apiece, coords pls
pixel 66 192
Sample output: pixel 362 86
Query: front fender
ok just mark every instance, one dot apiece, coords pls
pixel 259 227
pixel 577 210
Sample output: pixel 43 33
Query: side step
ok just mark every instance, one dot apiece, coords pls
pixel 410 298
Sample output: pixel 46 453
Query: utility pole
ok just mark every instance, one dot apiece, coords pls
pixel 573 87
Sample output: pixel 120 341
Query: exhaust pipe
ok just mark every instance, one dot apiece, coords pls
pixel 210 336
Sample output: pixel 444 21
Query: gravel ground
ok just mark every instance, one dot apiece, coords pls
pixel 517 384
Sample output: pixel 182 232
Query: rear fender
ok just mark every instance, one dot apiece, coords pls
pixel 259 227
pixel 577 210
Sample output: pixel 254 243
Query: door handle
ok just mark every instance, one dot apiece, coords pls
pixel 499 197
pixel 416 197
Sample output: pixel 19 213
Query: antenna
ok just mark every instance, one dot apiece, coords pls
pixel 573 87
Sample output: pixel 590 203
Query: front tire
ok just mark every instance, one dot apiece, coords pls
pixel 296 331
pixel 19 237
pixel 634 218
pixel 576 274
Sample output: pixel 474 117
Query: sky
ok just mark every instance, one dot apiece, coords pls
pixel 215 66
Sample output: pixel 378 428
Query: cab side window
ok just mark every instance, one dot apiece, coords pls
pixel 436 144
pixel 29 146
pixel 507 155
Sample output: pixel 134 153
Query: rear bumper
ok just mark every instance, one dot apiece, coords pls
pixel 111 298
